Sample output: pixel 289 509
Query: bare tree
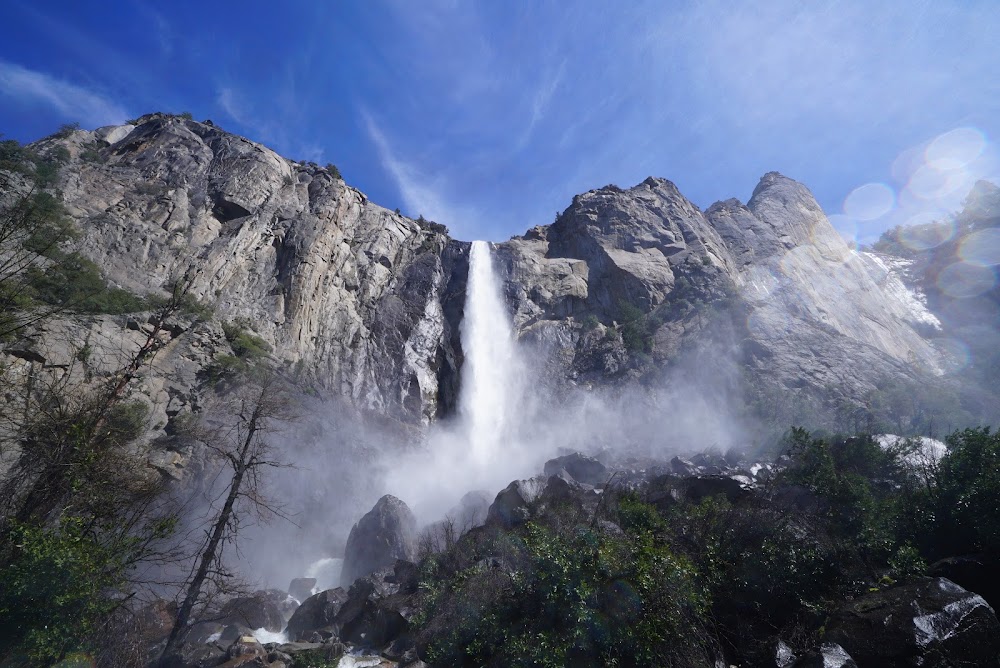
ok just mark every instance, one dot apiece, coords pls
pixel 237 432
pixel 67 430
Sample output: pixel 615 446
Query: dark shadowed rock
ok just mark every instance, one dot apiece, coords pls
pixel 580 467
pixel 386 533
pixel 684 467
pixel 195 655
pixel 375 614
pixel 827 655
pixel 514 505
pixel 301 588
pixel 471 510
pixel 257 611
pixel 316 612
pixel 931 623
pixel 156 620
pixel 697 488
pixel 784 657
pixel 663 492
pixel 979 573
pixel 202 631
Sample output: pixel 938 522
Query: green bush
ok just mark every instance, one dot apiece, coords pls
pixel 54 597
pixel 573 596
pixel 967 490
pixel 75 282
pixel 636 332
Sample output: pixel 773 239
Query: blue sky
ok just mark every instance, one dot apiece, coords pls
pixel 489 116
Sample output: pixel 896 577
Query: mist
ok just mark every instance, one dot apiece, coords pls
pixel 512 417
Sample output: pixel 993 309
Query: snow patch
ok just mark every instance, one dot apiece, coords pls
pixel 892 282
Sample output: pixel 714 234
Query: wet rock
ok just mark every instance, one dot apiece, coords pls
pixel 663 492
pixel 316 612
pixel 471 510
pixel 195 655
pixel 827 655
pixel 399 648
pixel 202 631
pixel 156 620
pixel 930 623
pixel 245 645
pixel 256 611
pixel 514 505
pixel 386 533
pixel 301 588
pixel 374 614
pixel 683 467
pixel 234 632
pixel 697 488
pixel 978 573
pixel 581 468
pixel 783 655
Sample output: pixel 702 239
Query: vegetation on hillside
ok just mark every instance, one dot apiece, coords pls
pixel 649 578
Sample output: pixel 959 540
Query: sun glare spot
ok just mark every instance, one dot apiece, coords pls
pixel 955 350
pixel 926 230
pixel 955 149
pixel 966 279
pixel 982 247
pixel 870 201
pixel 846 226
pixel 931 183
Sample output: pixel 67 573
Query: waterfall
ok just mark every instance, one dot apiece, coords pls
pixel 482 448
pixel 490 374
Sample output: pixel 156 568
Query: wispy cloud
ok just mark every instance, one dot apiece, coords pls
pixel 421 195
pixel 241 110
pixel 72 101
pixel 227 98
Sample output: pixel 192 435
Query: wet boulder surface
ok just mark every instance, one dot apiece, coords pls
pixel 932 623
pixel 386 533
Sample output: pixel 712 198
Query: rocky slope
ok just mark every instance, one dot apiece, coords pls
pixel 817 314
pixel 367 303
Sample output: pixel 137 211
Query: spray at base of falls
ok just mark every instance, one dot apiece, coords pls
pixel 479 449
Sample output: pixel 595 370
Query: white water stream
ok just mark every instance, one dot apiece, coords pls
pixel 482 448
pixel 491 375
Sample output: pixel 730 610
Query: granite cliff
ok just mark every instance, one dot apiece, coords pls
pixel 364 303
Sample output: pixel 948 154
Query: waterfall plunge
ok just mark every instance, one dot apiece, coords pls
pixel 490 374
pixel 481 448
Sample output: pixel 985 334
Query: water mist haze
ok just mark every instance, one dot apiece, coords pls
pixel 510 418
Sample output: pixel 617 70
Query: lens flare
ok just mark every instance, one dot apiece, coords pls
pixel 925 231
pixel 931 183
pixel 870 201
pixel 955 149
pixel 982 247
pixel 846 226
pixel 955 350
pixel 965 279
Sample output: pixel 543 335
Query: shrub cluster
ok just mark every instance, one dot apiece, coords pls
pixel 651 578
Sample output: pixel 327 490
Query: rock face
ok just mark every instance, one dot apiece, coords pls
pixel 348 291
pixel 817 313
pixel 316 612
pixel 929 623
pixel 367 303
pixel 386 533
pixel 828 655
